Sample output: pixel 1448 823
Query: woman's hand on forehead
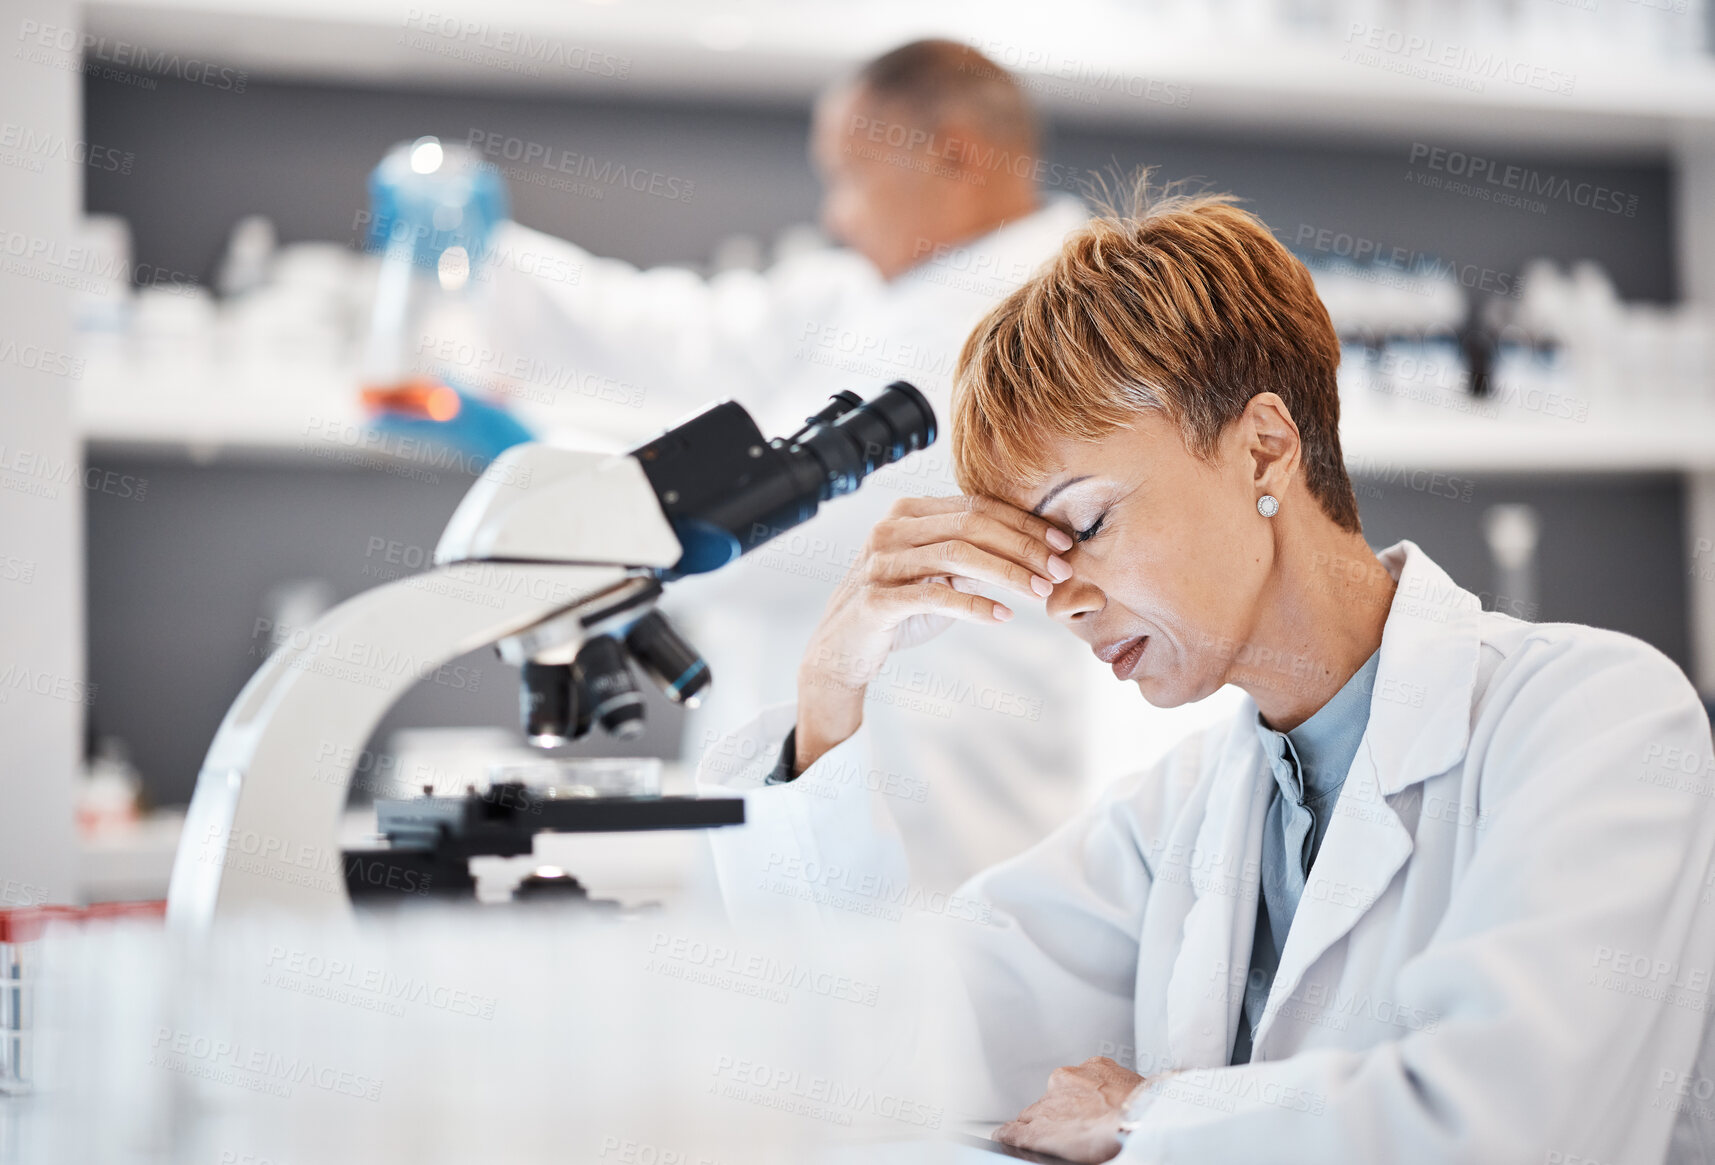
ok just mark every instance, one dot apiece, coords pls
pixel 920 570
pixel 965 540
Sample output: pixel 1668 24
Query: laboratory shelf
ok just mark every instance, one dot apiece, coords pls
pixel 318 422
pixel 1197 73
pixel 130 863
pixel 308 417
pixel 1648 441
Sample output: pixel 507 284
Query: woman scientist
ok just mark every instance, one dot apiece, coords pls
pixel 1437 893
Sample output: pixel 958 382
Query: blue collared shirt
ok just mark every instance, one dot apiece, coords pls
pixel 1310 764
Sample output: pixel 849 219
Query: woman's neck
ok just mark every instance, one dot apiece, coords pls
pixel 1320 618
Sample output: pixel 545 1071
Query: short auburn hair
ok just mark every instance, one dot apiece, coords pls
pixel 1186 305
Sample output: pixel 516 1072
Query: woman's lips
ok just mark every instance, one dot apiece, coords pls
pixel 1127 660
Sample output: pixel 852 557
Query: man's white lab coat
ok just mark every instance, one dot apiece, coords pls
pixel 1503 952
pixel 996 714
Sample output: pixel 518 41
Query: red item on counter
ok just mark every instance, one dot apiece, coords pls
pixel 22 924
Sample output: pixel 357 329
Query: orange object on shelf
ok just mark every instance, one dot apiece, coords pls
pixel 420 397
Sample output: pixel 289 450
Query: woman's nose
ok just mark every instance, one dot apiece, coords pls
pixel 1075 598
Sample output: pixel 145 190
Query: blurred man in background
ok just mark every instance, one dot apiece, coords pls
pixel 930 163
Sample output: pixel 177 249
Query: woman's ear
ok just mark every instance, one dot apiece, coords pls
pixel 1272 442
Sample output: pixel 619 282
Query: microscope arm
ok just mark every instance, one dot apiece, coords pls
pixel 263 827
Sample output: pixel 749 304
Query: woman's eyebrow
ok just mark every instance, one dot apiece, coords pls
pixel 1055 492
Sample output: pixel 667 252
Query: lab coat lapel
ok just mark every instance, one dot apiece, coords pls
pixel 1202 996
pixel 1359 857
pixel 1419 726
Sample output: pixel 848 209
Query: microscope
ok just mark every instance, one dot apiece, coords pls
pixel 556 558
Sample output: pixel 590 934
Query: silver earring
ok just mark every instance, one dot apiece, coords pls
pixel 1268 505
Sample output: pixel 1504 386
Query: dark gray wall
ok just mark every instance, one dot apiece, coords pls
pixel 176 580
pixel 301 155
pixel 1608 554
pixel 1376 194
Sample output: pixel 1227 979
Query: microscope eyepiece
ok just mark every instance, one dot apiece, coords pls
pixel 727 491
pixel 862 440
pixel 841 403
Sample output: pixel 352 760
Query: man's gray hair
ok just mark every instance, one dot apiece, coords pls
pixel 938 81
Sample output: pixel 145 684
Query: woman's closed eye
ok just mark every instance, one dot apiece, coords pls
pixel 1089 531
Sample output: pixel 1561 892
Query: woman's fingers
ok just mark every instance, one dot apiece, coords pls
pixel 1005 513
pixel 899 603
pixel 976 538
pixel 1032 524
pixel 958 560
pixel 1006 539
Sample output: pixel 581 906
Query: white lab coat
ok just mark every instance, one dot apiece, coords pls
pixel 1503 951
pixel 994 713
